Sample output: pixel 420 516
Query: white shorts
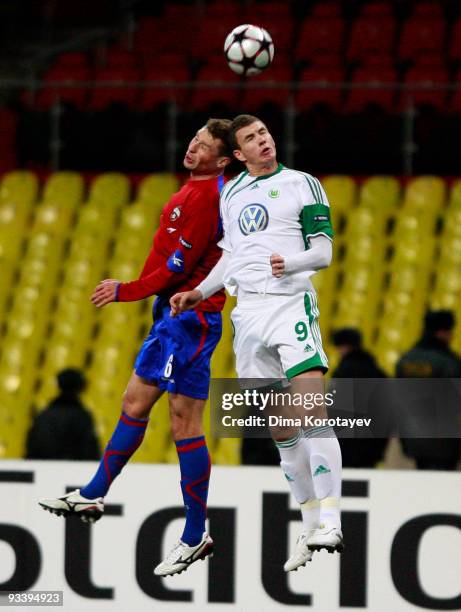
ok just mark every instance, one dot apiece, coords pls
pixel 277 336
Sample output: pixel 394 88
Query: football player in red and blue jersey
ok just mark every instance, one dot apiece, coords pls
pixel 175 357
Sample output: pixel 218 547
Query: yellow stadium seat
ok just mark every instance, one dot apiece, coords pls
pixel 455 196
pixel 444 301
pixel 43 246
pixel 414 250
pixel 341 192
pixel 10 245
pixel 425 194
pixel 365 222
pixel 112 190
pixel 19 187
pixel 64 187
pixel 452 223
pixel 381 193
pixel 448 281
pixel 450 252
pixel 412 225
pixel 156 190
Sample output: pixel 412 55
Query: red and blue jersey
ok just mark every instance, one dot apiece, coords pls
pixel 184 248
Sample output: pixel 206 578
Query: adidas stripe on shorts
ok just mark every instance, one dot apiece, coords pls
pixel 277 336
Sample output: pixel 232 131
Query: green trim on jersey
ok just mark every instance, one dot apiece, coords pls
pixel 227 196
pixel 319 360
pixel 315 219
pixel 279 168
pixel 314 186
pixel 310 364
pixel 236 181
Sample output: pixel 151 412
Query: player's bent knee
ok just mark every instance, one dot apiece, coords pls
pixel 134 407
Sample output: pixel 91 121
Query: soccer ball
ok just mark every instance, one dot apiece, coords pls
pixel 248 49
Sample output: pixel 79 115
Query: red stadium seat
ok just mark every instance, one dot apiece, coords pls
pixel 255 98
pixel 223 8
pixel 179 12
pixel 427 10
pixel 103 96
pixel 204 97
pixel 377 10
pixel 421 35
pixel 455 43
pixel 327 10
pixel 359 99
pixel 307 98
pixel 210 37
pixel 322 34
pixel 370 35
pixel 427 73
pixel 77 95
pixel 169 33
pixel 117 58
pixel 269 10
pixel 281 33
pixel 146 36
pixel 152 96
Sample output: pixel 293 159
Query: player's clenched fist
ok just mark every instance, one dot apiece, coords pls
pixel 278 265
pixel 105 292
pixel 185 301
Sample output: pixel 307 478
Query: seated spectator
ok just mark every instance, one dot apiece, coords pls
pixel 65 428
pixel 431 357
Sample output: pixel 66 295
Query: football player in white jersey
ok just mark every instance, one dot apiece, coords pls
pixel 278 233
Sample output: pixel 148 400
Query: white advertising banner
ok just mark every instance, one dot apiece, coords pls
pixel 402 534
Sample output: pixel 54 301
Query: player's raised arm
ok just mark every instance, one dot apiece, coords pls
pixel 214 282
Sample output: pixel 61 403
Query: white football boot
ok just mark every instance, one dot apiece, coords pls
pixel 182 556
pixel 301 555
pixel 74 504
pixel 326 537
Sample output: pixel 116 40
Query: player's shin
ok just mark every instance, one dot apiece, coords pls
pixel 195 465
pixel 295 466
pixel 126 438
pixel 325 462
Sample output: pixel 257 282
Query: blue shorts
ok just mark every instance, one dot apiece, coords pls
pixel 177 352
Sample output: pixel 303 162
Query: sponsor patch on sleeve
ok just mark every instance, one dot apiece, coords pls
pixel 175 262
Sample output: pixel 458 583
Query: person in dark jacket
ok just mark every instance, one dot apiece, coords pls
pixel 356 362
pixel 65 428
pixel 431 357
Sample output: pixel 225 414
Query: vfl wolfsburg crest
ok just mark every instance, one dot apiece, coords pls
pixel 274 193
pixel 253 218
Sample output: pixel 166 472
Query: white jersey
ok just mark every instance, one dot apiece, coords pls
pixel 273 213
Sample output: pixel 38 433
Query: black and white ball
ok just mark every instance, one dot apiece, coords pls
pixel 249 49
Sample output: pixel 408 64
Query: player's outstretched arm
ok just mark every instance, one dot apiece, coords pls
pixel 186 300
pixel 105 292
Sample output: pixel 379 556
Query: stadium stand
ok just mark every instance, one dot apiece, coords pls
pixel 372 46
pixel 388 268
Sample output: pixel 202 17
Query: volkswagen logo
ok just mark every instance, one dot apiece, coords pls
pixel 253 218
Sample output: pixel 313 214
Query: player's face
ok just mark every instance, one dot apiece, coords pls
pixel 257 147
pixel 203 154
